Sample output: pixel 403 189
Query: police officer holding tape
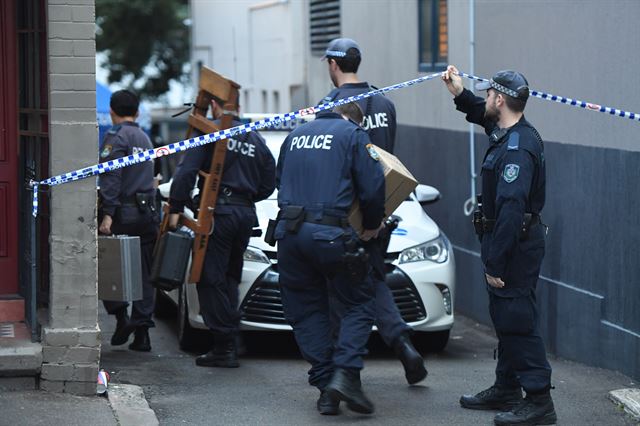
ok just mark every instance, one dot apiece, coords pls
pixel 343 57
pixel 512 239
pixel 323 166
pixel 248 177
pixel 127 206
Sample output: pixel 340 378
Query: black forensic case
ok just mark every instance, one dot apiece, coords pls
pixel 170 260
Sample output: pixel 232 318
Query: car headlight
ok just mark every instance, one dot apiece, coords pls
pixel 435 250
pixel 252 254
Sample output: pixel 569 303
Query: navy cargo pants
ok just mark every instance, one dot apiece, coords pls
pixel 313 286
pixel 522 359
pixel 222 270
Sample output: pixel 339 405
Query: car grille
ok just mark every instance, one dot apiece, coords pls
pixel 263 304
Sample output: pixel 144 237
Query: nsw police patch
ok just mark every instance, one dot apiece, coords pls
pixel 106 151
pixel 511 172
pixel 371 149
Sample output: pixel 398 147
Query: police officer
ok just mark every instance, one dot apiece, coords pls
pixel 323 166
pixel 248 177
pixel 512 242
pixel 128 207
pixel 343 59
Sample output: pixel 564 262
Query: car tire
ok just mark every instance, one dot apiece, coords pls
pixel 189 338
pixel 164 306
pixel 434 341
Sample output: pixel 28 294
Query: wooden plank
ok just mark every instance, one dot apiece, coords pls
pixel 202 123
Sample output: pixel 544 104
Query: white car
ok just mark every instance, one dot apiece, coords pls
pixel 420 273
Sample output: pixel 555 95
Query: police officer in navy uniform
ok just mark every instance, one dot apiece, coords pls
pixel 323 166
pixel 127 206
pixel 248 177
pixel 343 57
pixel 512 246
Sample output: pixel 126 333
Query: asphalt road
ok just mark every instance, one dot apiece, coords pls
pixel 270 386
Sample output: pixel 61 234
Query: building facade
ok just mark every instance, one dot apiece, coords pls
pixel 589 288
pixel 48 123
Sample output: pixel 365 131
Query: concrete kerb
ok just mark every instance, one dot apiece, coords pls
pixel 629 399
pixel 130 406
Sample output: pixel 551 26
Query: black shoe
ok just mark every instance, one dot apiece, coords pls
pixel 327 405
pixel 494 398
pixel 533 410
pixel 222 355
pixel 123 329
pixel 412 361
pixel 141 341
pixel 345 386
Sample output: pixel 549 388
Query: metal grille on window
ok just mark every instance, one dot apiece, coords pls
pixel 434 34
pixel 324 24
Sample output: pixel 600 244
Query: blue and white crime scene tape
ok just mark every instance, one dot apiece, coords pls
pixel 186 144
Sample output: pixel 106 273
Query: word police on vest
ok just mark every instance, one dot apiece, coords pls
pixel 375 120
pixel 318 142
pixel 243 148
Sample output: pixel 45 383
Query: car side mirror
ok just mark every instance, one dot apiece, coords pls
pixel 426 194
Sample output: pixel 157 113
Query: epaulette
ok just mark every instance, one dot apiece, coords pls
pixel 114 129
pixel 513 144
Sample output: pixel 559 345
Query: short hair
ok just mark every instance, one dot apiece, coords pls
pixel 514 104
pixel 351 110
pixel 124 103
pixel 350 62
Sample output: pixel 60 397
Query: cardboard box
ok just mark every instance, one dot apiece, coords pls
pixel 399 183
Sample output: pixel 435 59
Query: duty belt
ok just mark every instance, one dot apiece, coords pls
pixel 341 222
pixel 483 225
pixel 235 200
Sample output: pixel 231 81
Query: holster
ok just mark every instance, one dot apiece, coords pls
pixel 294 216
pixel 355 260
pixel 270 234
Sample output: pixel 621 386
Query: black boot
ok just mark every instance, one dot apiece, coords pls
pixel 223 354
pixel 345 386
pixel 533 410
pixel 412 361
pixel 494 398
pixel 141 341
pixel 327 405
pixel 123 328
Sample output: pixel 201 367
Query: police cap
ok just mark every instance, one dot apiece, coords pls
pixel 124 103
pixel 339 48
pixel 509 82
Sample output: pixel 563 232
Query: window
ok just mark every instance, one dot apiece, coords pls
pixel 264 102
pixel 433 31
pixel 324 24
pixel 276 101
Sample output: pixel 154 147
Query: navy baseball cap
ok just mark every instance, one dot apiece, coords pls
pixel 339 47
pixel 509 82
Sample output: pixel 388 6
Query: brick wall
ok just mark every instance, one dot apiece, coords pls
pixel 71 340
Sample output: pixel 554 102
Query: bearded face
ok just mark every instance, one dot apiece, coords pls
pixel 492 113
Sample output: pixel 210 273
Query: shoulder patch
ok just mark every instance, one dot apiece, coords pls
pixel 371 149
pixel 513 144
pixel 106 151
pixel 511 172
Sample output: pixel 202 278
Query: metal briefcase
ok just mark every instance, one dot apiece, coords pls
pixel 119 268
pixel 170 260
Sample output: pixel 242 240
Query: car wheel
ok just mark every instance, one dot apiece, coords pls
pixel 434 341
pixel 189 338
pixel 164 306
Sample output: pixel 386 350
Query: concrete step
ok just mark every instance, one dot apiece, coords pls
pixel 19 356
pixel 11 308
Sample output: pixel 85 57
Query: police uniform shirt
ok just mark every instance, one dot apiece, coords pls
pixel 249 170
pixel 379 113
pixel 513 181
pixel 120 141
pixel 324 164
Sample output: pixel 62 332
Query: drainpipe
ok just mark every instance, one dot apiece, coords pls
pixel 470 204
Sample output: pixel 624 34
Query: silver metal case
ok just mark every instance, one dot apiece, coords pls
pixel 119 268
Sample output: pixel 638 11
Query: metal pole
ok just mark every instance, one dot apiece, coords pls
pixel 470 204
pixel 33 279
